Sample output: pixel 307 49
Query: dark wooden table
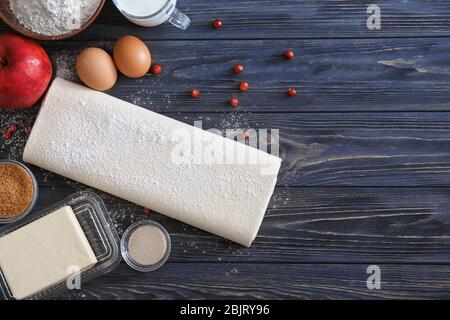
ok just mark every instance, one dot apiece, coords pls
pixel 366 146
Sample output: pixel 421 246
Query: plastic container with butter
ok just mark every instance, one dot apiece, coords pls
pixel 97 226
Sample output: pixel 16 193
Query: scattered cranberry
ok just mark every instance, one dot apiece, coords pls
pixel 195 93
pixel 238 68
pixel 12 127
pixel 9 131
pixel 7 134
pixel 234 102
pixel 157 69
pixel 292 92
pixel 243 86
pixel 289 54
pixel 147 211
pixel 217 24
pixel 27 130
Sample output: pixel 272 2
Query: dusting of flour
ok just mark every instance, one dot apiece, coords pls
pixel 53 17
pixel 127 151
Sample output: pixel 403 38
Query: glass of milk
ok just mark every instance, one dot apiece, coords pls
pixel 150 13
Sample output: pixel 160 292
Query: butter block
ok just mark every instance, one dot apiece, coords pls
pixel 39 255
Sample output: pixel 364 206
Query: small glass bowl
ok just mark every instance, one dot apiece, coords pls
pixel 35 192
pixel 126 254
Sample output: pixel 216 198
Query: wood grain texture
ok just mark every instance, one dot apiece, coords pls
pixel 314 225
pixel 330 75
pixel 332 149
pixel 231 281
pixel 256 19
pixel 365 144
pixel 342 75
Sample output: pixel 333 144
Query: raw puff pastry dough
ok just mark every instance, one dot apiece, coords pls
pixel 127 151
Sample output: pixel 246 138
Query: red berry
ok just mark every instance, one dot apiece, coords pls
pixel 156 69
pixel 195 93
pixel 12 127
pixel 9 131
pixel 238 68
pixel 217 24
pixel 243 86
pixel 7 135
pixel 292 92
pixel 234 102
pixel 147 211
pixel 289 54
pixel 27 130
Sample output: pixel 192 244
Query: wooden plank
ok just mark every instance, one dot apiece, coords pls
pixel 256 19
pixel 328 149
pixel 330 75
pixel 314 225
pixel 268 281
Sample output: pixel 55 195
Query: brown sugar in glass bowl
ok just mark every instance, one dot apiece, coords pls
pixel 18 191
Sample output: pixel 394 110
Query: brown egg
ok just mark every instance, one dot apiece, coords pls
pixel 96 69
pixel 132 56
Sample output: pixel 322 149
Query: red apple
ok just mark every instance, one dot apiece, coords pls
pixel 25 71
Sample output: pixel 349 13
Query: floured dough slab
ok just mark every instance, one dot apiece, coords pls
pixel 38 255
pixel 132 153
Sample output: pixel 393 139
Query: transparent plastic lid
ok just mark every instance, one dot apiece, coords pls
pixel 99 229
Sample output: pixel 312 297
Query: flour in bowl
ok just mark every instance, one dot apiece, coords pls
pixel 53 17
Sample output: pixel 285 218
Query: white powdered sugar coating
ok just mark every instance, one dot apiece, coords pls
pixel 119 148
pixel 53 17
